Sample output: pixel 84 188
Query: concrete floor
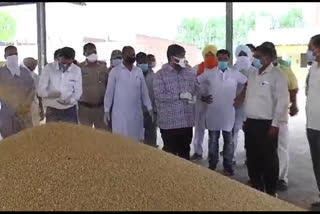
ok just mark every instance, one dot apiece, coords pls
pixel 302 189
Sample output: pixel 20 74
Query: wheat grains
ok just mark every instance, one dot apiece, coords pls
pixel 66 167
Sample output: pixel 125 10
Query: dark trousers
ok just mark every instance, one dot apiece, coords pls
pixel 314 144
pixel 177 141
pixel 150 130
pixel 262 155
pixel 62 115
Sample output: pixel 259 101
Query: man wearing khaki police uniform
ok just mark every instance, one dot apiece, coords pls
pixel 94 82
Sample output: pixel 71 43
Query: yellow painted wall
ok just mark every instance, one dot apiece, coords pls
pixel 294 52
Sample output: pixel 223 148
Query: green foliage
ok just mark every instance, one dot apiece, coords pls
pixel 195 32
pixel 7 27
pixel 192 31
pixel 241 28
pixel 293 19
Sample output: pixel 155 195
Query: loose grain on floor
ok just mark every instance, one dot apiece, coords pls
pixel 67 167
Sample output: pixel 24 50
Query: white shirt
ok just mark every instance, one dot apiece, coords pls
pixel 267 95
pixel 223 88
pixel 313 101
pixel 126 92
pixel 68 83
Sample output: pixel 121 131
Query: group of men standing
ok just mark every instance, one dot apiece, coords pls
pixel 132 100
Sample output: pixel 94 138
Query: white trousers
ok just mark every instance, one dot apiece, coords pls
pixel 283 151
pixel 35 114
pixel 200 127
pixel 235 142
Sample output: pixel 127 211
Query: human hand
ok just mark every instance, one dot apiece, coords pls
pixel 207 99
pixel 273 132
pixel 185 96
pixel 106 118
pixel 293 110
pixel 238 101
pixel 244 125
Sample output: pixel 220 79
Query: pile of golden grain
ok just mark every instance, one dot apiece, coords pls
pixel 66 167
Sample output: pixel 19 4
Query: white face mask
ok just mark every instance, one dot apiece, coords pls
pixel 310 56
pixel 153 64
pixel 13 64
pixel 92 57
pixel 116 62
pixel 182 62
pixel 243 63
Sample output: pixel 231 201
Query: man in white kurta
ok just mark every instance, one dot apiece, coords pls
pixel 209 64
pixel 220 115
pixel 126 92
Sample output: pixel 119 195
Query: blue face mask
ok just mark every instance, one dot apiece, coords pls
pixel 222 65
pixel 144 67
pixel 257 63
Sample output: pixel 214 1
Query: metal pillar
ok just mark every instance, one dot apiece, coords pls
pixel 229 29
pixel 42 36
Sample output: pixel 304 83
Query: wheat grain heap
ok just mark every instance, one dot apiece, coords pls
pixel 67 167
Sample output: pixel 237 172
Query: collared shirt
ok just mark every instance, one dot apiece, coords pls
pixel 267 95
pixel 94 82
pixel 174 112
pixel 18 91
pixel 69 83
pixel 223 88
pixel 313 101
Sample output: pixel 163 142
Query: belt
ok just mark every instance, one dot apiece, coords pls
pixel 89 105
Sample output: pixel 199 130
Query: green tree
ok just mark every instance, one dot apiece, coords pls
pixel 7 27
pixel 192 31
pixel 214 32
pixel 189 31
pixel 293 19
pixel 241 28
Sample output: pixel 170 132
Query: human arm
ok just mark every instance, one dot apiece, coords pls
pixel 145 94
pixel 43 88
pixel 241 79
pixel 109 94
pixel 293 90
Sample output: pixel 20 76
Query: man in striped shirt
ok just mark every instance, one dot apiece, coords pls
pixel 175 89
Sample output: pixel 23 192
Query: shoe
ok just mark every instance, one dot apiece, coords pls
pixel 196 156
pixel 212 168
pixel 282 185
pixel 228 173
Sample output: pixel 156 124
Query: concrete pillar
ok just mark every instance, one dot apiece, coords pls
pixel 42 36
pixel 229 29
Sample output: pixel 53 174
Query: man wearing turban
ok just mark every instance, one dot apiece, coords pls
pixel 210 63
